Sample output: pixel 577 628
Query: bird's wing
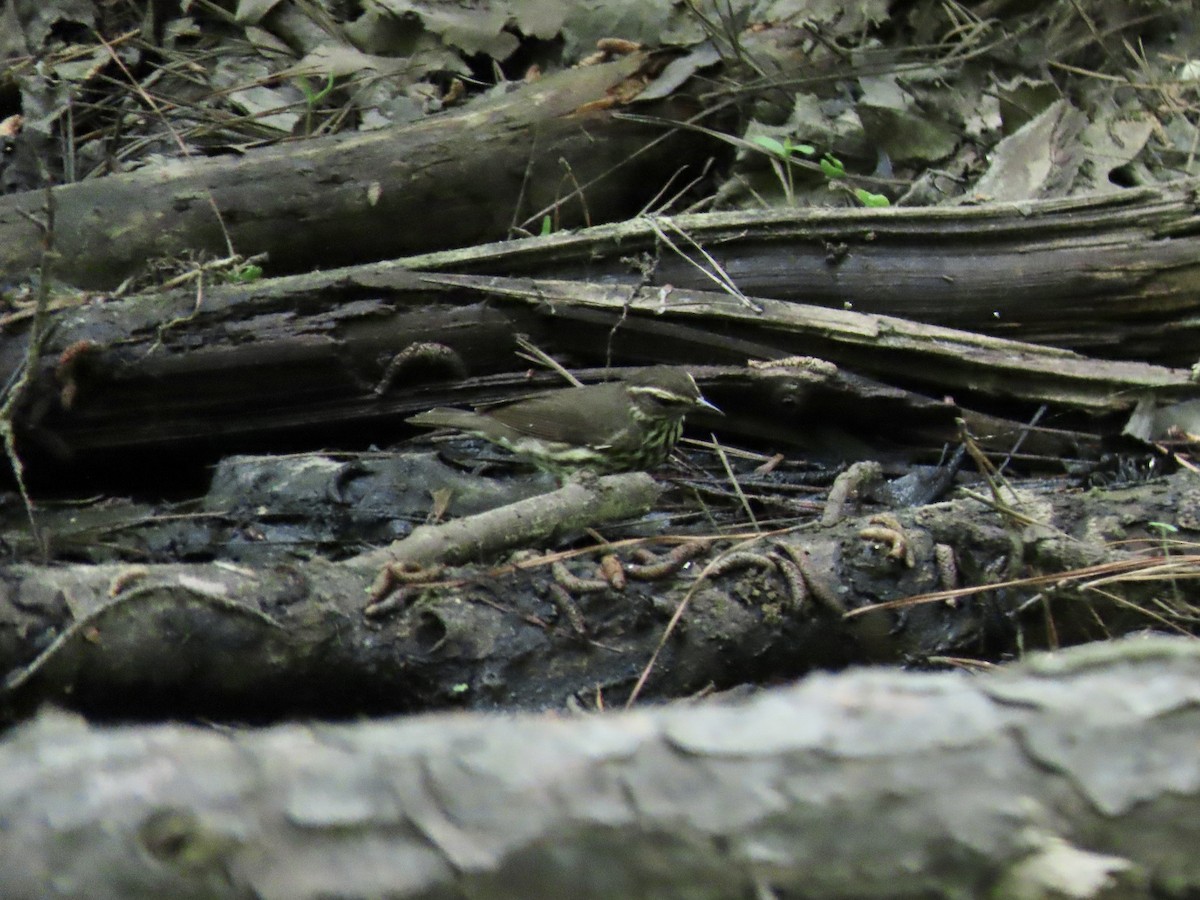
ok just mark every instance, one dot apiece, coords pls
pixel 445 417
pixel 571 416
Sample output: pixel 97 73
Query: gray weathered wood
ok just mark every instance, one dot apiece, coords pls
pixel 871 783
pixel 455 179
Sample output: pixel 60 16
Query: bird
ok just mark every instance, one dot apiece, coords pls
pixel 618 426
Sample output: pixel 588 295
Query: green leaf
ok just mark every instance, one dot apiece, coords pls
pixel 547 226
pixel 770 145
pixel 832 166
pixel 247 274
pixel 784 148
pixel 869 199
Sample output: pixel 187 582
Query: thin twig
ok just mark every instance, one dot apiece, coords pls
pixel 713 566
pixel 533 353
pixel 149 101
pixel 716 274
pixel 737 487
pixel 37 332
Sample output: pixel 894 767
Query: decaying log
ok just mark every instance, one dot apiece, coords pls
pixel 451 180
pixel 1071 774
pixel 895 350
pixel 1104 274
pixel 269 635
pixel 308 357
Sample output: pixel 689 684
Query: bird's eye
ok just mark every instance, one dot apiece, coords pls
pixel 671 402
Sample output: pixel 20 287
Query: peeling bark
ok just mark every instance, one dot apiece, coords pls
pixel 1101 274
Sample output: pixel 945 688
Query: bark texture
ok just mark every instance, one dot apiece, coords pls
pixel 1100 274
pixel 452 180
pixel 304 355
pixel 1075 770
pixel 261 634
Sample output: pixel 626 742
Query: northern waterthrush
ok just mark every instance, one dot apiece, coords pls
pixel 619 426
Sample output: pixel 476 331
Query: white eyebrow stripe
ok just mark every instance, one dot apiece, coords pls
pixel 656 392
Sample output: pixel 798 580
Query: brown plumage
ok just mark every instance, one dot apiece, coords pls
pixel 617 426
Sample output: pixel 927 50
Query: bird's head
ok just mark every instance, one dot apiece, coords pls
pixel 665 392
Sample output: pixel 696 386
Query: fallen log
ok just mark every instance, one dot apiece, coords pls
pixel 1115 274
pixel 1067 774
pixel 353 351
pixel 271 628
pixel 466 176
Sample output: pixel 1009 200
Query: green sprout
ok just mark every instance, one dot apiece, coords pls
pixel 873 200
pixel 785 151
pixel 782 153
pixel 312 98
pixel 246 274
pixel 832 167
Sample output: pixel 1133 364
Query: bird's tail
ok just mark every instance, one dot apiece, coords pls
pixel 444 417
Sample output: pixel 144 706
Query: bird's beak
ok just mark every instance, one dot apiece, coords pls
pixel 711 407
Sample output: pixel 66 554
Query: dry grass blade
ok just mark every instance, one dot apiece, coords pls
pixel 1087 578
